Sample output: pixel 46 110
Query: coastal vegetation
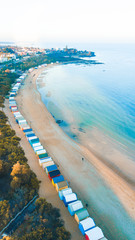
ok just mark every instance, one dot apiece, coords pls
pixel 18 185
pixel 6 79
pixel 43 223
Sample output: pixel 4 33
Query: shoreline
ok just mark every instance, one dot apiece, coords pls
pixel 57 143
pixel 117 172
pixel 106 147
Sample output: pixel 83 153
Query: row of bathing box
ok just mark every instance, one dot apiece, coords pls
pixel 75 207
pixel 43 158
pixel 69 198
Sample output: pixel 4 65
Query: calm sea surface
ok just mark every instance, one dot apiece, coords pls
pixel 97 100
pixel 95 96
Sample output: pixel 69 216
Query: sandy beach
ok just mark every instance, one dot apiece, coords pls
pixel 46 188
pixel 67 154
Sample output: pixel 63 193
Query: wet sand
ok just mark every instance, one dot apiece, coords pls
pixel 68 155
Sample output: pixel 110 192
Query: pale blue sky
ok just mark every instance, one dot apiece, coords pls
pixel 72 20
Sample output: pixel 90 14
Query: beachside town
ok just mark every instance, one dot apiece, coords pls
pixel 14 53
pixel 15 59
pixel 9 53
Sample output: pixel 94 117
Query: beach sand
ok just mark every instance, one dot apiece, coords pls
pixel 65 153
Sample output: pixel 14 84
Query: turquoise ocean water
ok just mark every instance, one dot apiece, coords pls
pixel 95 96
pixel 98 100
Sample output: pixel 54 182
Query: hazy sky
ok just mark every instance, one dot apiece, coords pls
pixel 72 20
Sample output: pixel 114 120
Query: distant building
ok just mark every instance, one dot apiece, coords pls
pixel 12 70
pixel 4 57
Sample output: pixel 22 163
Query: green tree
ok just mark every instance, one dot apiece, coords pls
pixel 62 234
pixel 4 168
pixel 40 233
pixel 21 175
pixel 4 213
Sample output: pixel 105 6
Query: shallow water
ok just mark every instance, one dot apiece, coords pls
pixel 96 104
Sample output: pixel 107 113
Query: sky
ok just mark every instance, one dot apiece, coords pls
pixel 63 21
